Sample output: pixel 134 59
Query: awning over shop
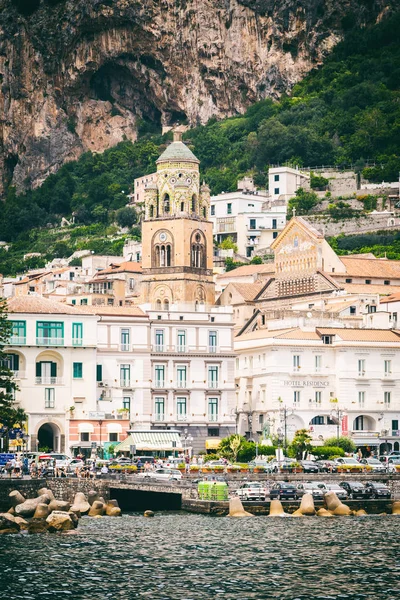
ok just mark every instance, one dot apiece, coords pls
pixel 151 441
pixel 114 428
pixel 85 428
pixel 213 443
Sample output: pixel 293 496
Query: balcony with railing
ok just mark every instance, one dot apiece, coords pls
pixel 159 383
pixel 159 417
pixel 19 374
pixel 49 380
pixel 125 347
pixel 50 341
pixel 17 340
pixel 181 417
pixel 213 384
pixel 181 383
pixel 213 417
pixel 125 382
pixel 172 349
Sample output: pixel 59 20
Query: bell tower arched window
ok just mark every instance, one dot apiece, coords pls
pixel 193 204
pixel 182 207
pixel 151 211
pixel 198 252
pixel 166 204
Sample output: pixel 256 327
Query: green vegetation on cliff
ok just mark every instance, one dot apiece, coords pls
pixel 345 112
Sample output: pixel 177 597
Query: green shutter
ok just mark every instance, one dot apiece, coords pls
pixel 38 369
pixel 53 369
pixel 77 370
pixel 99 373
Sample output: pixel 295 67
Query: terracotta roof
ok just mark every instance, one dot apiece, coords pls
pixel 371 267
pixel 248 270
pixel 391 298
pixel 260 334
pixel 339 306
pixel 125 311
pixel 361 335
pixel 39 305
pixel 124 267
pixel 32 277
pixel 299 334
pixel 248 290
pixel 365 288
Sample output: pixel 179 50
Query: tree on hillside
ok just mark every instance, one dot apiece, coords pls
pixel 7 383
pixel 303 202
pixel 126 216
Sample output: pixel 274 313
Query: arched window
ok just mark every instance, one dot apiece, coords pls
pixel 166 204
pixel 162 256
pixel 193 203
pixel 168 257
pixel 182 207
pixel 166 304
pixel 151 211
pixel 204 212
pixel 157 256
pixel 158 304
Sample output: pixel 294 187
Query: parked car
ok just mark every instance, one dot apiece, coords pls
pixel 355 489
pixel 121 460
pixel 285 463
pixel 144 459
pixel 310 488
pixel 340 492
pixel 252 491
pixel 375 464
pixel 170 474
pixel 393 464
pixel 309 466
pixel 350 465
pixel 62 460
pixel 395 453
pixel 378 490
pixel 75 462
pixel 283 491
pixel 172 463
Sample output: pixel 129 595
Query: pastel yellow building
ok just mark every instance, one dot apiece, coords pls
pixel 177 253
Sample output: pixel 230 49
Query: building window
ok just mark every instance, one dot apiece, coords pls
pixel 49 333
pixel 181 340
pixel 125 375
pixel 387 398
pixel 213 409
pixel 296 362
pixel 348 280
pixel 261 419
pixel 213 377
pixel 361 368
pixel 84 302
pixel 85 436
pixel 11 362
pixel 77 370
pixel 125 340
pixel 99 372
pixel 276 177
pixel 113 437
pixel 371 308
pixel 388 367
pixel 212 210
pixel 212 341
pixel 386 282
pixel 395 427
pixel 159 409
pixel 327 339
pixel 253 224
pixel 296 397
pixel 318 397
pixel 276 191
pixel 159 375
pixel 229 209
pixel 126 403
pixel 361 399
pixel 274 223
pixel 49 397
pixel 77 334
pixel 317 362
pixel 274 235
pixel 353 310
pixel 367 281
pixel 181 409
pixel 181 376
pixel 46 372
pixel 213 432
pixel 359 423
pixel 18 332
pixel 159 337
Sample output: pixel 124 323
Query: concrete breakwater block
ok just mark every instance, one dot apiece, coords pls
pixel 59 521
pixel 97 509
pixel 236 508
pixel 27 508
pixel 42 511
pixel 8 524
pixel 276 509
pixel 148 513
pixel 46 492
pixel 80 503
pixel 16 498
pixel 396 508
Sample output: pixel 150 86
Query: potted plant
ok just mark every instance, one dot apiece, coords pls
pixel 259 469
pixel 219 469
pixel 295 467
pixel 194 468
pixel 182 467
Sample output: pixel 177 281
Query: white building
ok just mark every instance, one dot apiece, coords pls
pixel 328 380
pixel 247 219
pixel 284 181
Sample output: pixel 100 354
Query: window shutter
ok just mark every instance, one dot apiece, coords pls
pixel 53 369
pixel 16 362
pixel 38 369
pixel 99 373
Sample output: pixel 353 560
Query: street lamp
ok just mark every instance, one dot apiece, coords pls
pixel 284 414
pixel 337 415
pixel 279 434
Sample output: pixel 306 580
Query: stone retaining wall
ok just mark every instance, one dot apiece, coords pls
pixel 27 487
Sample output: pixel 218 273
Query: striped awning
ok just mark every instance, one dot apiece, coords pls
pixel 151 441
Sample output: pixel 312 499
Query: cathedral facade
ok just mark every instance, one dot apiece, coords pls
pixel 177 255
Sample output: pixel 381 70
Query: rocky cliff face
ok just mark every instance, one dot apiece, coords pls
pixel 81 75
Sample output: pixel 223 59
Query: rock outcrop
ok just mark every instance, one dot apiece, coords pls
pixel 85 74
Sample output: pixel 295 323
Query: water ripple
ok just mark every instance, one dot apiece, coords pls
pixel 177 556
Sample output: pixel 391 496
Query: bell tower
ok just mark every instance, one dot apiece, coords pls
pixel 177 241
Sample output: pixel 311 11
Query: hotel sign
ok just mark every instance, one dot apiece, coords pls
pixel 306 383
